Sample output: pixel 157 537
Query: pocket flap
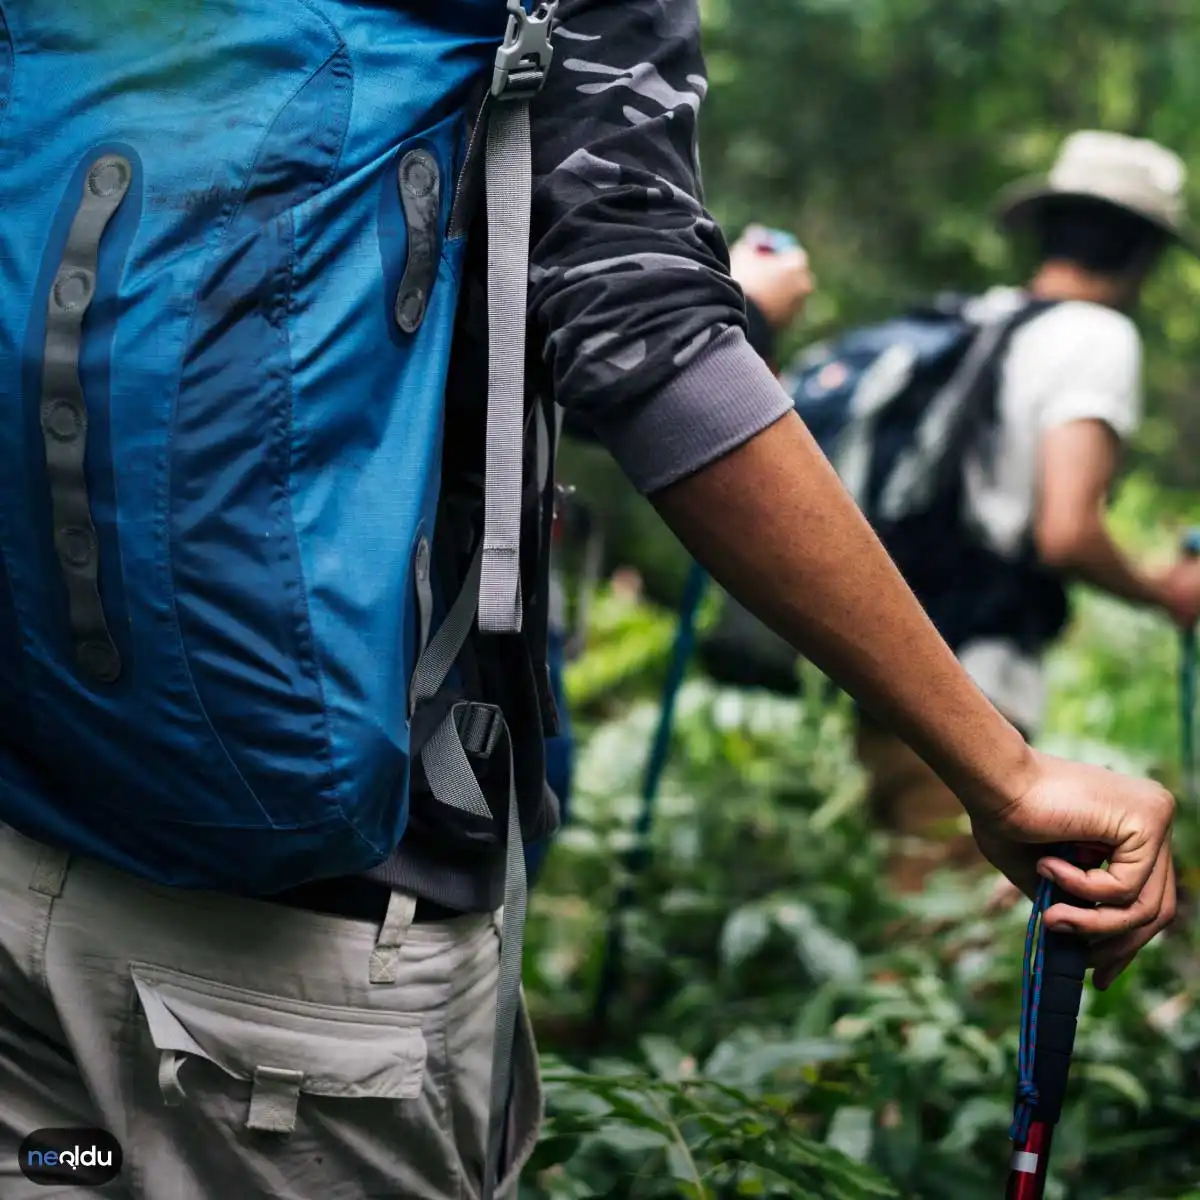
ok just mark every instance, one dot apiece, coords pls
pixel 349 1052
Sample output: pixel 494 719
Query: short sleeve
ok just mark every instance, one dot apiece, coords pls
pixel 1081 362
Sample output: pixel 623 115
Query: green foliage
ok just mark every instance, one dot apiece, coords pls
pixel 788 1028
pixel 882 130
pixel 666 1132
pixel 785 1026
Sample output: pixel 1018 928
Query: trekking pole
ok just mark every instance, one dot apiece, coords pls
pixel 1052 986
pixel 639 854
pixel 1190 548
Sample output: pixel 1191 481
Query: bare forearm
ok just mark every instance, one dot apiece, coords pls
pixel 773 524
pixel 1079 461
pixel 1093 557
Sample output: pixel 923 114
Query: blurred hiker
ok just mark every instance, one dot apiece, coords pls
pixel 986 457
pixel 775 277
pixel 273 687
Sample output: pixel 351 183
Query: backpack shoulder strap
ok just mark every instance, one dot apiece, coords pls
pixel 951 417
pixel 521 66
pixel 1032 307
pixel 491 592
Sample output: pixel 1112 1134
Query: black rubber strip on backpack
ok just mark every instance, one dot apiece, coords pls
pixel 420 183
pixel 64 417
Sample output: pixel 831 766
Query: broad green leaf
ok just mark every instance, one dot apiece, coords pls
pixel 978 1116
pixel 1117 1079
pixel 852 1132
pixel 825 956
pixel 745 933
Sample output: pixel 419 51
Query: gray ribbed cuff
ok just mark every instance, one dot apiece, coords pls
pixel 720 400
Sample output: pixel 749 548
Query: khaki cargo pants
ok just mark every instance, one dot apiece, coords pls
pixel 247 1051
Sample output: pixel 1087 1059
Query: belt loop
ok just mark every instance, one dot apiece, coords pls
pixel 274 1097
pixel 385 958
pixel 49 872
pixel 169 1063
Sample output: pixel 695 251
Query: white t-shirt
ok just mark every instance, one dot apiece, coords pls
pixel 1077 361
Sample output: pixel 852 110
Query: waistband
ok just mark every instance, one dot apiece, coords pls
pixel 356 899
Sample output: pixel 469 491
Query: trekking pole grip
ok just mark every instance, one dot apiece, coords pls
pixel 1053 994
pixel 1063 970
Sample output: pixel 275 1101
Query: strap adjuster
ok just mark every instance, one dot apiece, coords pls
pixel 524 58
pixel 479 727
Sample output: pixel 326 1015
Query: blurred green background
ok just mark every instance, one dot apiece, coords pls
pixel 880 131
pixel 786 1027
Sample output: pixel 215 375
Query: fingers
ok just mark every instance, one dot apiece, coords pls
pixel 794 263
pixel 1132 862
pixel 1120 884
pixel 1112 956
pixel 1116 916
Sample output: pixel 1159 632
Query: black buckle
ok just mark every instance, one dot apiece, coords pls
pixel 479 727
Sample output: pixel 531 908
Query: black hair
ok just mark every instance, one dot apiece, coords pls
pixel 1097 236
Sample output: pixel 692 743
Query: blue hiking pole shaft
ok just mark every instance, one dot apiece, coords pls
pixel 681 655
pixel 660 751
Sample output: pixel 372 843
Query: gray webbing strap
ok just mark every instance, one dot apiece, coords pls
pixel 520 71
pixel 491 592
pixel 445 646
pixel 509 188
pixel 452 782
pixel 916 474
pixel 64 417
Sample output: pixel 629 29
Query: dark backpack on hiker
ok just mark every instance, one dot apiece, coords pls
pixel 897 407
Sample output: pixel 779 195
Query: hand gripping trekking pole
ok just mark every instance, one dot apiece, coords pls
pixel 1052 981
pixel 1187 687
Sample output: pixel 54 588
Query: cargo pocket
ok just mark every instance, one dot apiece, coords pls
pixel 245 1089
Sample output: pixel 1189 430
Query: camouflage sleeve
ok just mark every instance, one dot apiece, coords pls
pixel 641 328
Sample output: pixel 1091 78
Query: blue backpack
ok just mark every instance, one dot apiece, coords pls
pixel 232 245
pixel 897 407
pixel 254 598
